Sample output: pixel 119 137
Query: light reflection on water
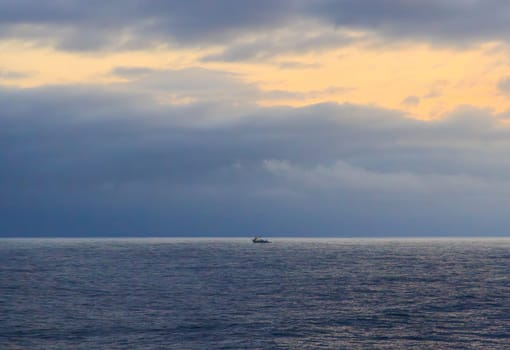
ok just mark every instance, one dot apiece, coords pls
pixel 232 294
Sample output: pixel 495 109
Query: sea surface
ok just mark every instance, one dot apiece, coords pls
pixel 233 294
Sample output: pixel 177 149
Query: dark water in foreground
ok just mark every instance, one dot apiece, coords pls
pixel 232 294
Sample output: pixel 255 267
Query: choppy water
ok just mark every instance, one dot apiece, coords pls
pixel 232 294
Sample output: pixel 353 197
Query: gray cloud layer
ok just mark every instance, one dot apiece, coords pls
pixel 113 25
pixel 454 22
pixel 84 161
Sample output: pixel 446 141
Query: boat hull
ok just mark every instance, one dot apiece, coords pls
pixel 255 240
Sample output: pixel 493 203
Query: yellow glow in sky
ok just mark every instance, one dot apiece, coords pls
pixel 423 81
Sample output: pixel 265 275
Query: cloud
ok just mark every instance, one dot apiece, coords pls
pixel 132 72
pixel 209 86
pixel 344 176
pixel 190 85
pixel 504 85
pixel 12 75
pixel 433 94
pixel 411 101
pixel 311 94
pixel 457 22
pixel 298 65
pixel 118 25
pixel 250 30
pixel 302 39
pixel 100 159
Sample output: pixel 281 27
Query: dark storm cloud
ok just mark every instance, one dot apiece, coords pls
pixel 77 25
pixel 89 160
pixel 118 25
pixel 454 22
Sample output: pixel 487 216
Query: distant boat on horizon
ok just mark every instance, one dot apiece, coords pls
pixel 260 240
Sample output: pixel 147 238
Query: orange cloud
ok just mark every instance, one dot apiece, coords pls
pixel 440 78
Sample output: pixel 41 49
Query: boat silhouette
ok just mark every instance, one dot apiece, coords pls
pixel 260 240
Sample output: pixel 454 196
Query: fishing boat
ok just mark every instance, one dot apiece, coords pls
pixel 260 240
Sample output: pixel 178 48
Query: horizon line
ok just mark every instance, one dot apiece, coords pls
pixel 270 237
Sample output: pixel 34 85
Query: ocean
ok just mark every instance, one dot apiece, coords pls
pixel 233 294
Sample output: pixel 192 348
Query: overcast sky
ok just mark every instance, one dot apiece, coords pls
pixel 242 118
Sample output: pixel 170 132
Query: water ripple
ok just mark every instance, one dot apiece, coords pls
pixel 231 294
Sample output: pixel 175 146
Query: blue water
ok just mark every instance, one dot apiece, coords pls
pixel 232 294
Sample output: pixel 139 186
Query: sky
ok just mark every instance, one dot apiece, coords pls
pixel 241 118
